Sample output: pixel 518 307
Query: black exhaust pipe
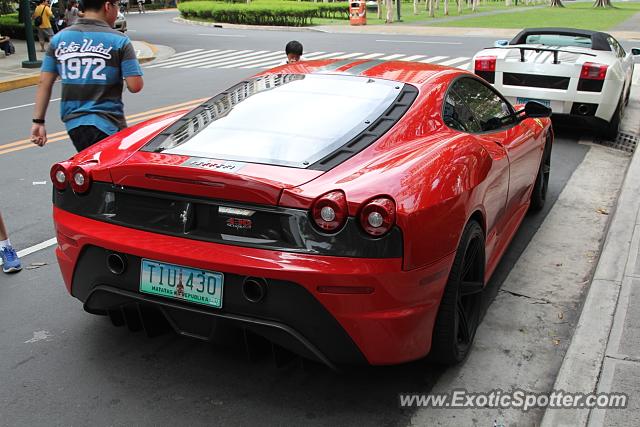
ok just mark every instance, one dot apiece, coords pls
pixel 254 289
pixel 116 263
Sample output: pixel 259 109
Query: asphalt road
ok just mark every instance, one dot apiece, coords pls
pixel 62 366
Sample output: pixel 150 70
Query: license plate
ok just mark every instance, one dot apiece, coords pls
pixel 544 102
pixel 181 283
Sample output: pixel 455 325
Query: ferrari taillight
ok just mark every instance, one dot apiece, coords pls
pixel 378 216
pixel 485 67
pixel 330 211
pixel 593 71
pixel 59 176
pixel 485 63
pixel 80 178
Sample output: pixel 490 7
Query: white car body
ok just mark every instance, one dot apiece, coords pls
pixel 559 85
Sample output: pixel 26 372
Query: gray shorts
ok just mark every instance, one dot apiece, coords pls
pixel 45 34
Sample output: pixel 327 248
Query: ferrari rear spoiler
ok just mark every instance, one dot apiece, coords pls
pixel 538 49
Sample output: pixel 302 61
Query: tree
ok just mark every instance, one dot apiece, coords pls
pixel 445 8
pixel 379 11
pixel 415 7
pixel 6 7
pixel 602 3
pixel 556 3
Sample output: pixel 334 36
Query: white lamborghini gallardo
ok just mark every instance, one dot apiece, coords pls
pixel 583 74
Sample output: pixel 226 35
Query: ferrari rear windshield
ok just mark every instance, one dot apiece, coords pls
pixel 287 120
pixel 560 40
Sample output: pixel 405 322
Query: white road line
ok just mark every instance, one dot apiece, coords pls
pixel 349 55
pixel 186 52
pixel 391 57
pixel 218 59
pixel 263 63
pixel 236 62
pixel 239 60
pixel 371 56
pixel 25 105
pixel 187 58
pixel 201 60
pixel 433 59
pixel 465 66
pixel 412 58
pixel 35 248
pixel 277 57
pixel 454 60
pixel 416 41
pixel 184 55
pixel 222 35
pixel 326 55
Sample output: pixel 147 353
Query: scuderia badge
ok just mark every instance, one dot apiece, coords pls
pixel 211 164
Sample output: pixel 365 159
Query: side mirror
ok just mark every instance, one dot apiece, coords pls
pixel 500 43
pixel 535 110
pixel 635 51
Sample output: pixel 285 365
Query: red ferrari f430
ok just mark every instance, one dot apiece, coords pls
pixel 349 211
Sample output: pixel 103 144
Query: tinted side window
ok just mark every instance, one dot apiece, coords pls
pixel 457 115
pixel 616 47
pixel 491 111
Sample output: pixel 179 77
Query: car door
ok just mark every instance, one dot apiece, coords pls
pixel 498 124
pixel 457 115
pixel 626 62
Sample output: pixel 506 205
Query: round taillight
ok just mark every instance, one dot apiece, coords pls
pixel 80 179
pixel 378 216
pixel 330 211
pixel 59 176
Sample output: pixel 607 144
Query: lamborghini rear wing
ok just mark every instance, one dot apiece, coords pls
pixel 538 49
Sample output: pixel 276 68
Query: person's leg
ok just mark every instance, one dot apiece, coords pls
pixel 41 39
pixel 10 260
pixel 85 136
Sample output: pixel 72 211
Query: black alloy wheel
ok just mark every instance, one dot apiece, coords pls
pixel 459 313
pixel 539 192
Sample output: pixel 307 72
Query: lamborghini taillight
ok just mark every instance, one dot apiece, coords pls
pixel 485 67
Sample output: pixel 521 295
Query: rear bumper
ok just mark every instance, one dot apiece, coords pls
pixel 391 325
pixel 563 101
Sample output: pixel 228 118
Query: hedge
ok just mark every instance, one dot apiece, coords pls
pixel 295 14
pixel 9 26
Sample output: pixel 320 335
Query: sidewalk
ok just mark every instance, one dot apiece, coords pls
pixel 13 76
pixel 604 355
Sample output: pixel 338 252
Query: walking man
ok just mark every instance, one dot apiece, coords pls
pixel 42 20
pixel 91 59
pixel 10 260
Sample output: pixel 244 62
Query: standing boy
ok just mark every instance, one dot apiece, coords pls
pixel 91 59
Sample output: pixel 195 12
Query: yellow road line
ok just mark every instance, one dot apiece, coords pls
pixel 132 119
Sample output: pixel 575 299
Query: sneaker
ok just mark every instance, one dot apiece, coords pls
pixel 10 260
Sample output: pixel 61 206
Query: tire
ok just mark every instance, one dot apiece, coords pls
pixel 461 301
pixel 611 129
pixel 627 95
pixel 539 193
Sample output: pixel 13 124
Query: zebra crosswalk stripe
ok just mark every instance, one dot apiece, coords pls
pixel 450 62
pixel 219 58
pixel 214 58
pixel 185 61
pixel 273 56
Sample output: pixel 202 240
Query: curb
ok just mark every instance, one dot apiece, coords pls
pixel 179 20
pixel 19 82
pixel 154 51
pixel 583 362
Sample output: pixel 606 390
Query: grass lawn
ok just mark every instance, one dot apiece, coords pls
pixel 407 16
pixel 576 15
